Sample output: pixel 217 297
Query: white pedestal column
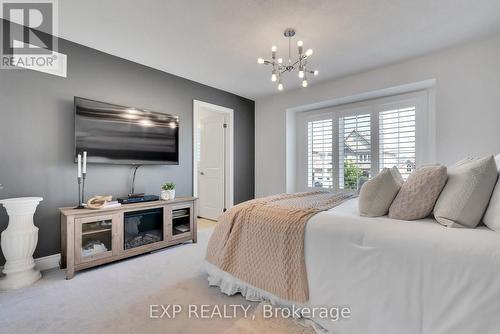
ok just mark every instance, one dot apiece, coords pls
pixel 18 243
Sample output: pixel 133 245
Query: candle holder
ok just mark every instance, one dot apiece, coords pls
pixel 81 179
pixel 80 199
pixel 83 187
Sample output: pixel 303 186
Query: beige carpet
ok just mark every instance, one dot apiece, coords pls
pixel 205 223
pixel 257 323
pixel 116 298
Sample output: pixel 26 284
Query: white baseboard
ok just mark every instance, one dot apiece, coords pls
pixel 46 262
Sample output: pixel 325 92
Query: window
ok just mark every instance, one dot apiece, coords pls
pixel 348 145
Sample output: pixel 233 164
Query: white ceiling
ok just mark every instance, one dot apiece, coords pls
pixel 217 42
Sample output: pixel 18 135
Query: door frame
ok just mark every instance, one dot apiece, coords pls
pixel 228 150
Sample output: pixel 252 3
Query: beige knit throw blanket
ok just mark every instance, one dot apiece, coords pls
pixel 261 241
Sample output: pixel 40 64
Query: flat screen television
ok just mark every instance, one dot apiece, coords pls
pixel 114 134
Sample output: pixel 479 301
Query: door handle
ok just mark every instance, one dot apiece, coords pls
pixel 201 173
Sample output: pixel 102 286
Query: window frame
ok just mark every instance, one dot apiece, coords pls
pixel 373 107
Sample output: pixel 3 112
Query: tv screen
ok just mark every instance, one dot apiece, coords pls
pixel 115 134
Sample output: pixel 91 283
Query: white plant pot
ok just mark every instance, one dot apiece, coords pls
pixel 18 243
pixel 167 194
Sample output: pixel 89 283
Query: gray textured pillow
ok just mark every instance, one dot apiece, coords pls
pixel 466 195
pixel 419 193
pixel 376 195
pixel 492 216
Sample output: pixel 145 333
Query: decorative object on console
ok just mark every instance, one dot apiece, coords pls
pixel 93 247
pixel 280 67
pixel 376 195
pixel 82 174
pixel 18 243
pixel 98 202
pixel 168 191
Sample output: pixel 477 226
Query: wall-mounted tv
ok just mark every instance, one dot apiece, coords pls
pixel 114 134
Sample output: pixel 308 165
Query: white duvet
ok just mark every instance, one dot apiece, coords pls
pixel 395 276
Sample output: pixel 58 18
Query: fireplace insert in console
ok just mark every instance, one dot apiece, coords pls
pixel 142 227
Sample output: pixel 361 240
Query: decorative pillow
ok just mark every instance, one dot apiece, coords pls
pixel 419 193
pixel 492 216
pixel 376 195
pixel 466 195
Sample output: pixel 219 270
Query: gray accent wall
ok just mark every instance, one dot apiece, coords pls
pixel 36 133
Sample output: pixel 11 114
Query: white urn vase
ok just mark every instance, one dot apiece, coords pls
pixel 18 243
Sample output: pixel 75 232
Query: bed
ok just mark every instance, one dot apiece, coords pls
pixel 395 276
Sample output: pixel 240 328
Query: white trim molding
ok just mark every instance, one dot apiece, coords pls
pixel 46 262
pixel 229 166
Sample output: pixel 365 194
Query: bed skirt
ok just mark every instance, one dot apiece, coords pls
pixel 230 285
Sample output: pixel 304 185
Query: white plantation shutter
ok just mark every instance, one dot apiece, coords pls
pixel 397 142
pixel 341 146
pixel 319 153
pixel 354 149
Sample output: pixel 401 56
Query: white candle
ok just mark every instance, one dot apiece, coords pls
pixel 79 165
pixel 84 171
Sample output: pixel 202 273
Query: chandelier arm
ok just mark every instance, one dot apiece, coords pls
pixel 295 64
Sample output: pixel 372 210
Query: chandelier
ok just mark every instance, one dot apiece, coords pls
pixel 280 67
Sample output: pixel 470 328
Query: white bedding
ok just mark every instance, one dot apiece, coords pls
pixel 395 276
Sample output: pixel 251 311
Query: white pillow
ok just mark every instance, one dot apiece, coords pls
pixel 492 216
pixel 376 195
pixel 466 194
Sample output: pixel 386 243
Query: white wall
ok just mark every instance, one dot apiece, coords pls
pixel 467 106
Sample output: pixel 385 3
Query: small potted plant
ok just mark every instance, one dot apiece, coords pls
pixel 168 191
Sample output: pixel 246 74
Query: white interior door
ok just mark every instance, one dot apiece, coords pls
pixel 211 183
